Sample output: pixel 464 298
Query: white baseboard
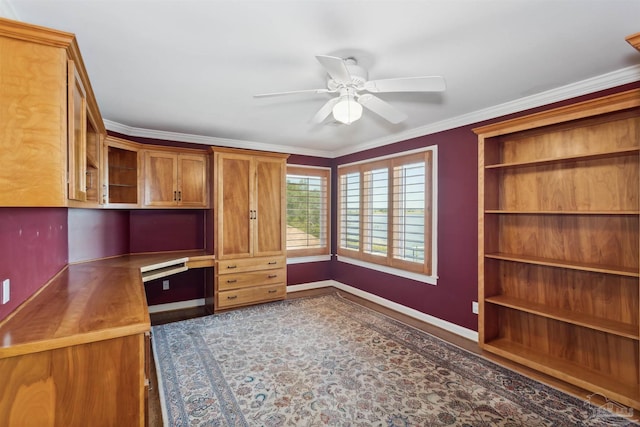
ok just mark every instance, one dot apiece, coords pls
pixel 158 308
pixel 432 320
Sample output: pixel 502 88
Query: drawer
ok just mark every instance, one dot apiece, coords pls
pixel 251 295
pixel 251 278
pixel 250 264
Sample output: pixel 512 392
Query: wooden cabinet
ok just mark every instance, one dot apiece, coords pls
pixel 559 269
pixel 250 225
pixel 176 179
pixel 250 280
pixel 122 173
pixel 50 125
pixel 85 139
pixel 77 352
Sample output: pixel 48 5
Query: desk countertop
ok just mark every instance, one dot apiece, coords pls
pixel 86 302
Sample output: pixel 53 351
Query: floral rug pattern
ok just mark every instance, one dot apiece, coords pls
pixel 327 361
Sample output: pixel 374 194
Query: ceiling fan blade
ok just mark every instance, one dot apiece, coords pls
pixel 407 84
pixel 325 110
pixel 336 68
pixel 382 108
pixel 293 92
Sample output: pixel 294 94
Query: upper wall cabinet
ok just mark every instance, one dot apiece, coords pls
pixel 85 139
pixel 176 178
pixel 122 175
pixel 51 130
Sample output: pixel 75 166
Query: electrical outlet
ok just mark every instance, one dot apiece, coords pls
pixel 165 285
pixel 474 307
pixel 6 289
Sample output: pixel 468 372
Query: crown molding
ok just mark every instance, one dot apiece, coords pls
pixel 209 140
pixel 583 87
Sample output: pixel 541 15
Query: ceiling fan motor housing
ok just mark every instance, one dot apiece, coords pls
pixel 359 75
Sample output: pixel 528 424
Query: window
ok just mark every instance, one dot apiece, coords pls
pixel 307 211
pixel 386 213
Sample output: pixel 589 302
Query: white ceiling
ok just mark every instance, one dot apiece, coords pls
pixel 188 69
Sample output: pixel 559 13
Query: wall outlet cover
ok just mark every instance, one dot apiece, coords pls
pixel 474 307
pixel 6 291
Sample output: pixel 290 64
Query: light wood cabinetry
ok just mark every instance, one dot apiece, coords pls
pixel 85 140
pixel 559 214
pixel 250 280
pixel 76 353
pixel 176 179
pixel 50 126
pixel 250 226
pixel 634 40
pixel 122 172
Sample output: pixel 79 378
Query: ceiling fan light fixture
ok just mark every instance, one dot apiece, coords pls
pixel 347 110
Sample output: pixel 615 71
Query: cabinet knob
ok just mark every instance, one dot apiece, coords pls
pixel 175 196
pixel 272 276
pixel 232 297
pixel 273 291
pixel 272 262
pixel 232 266
pixel 232 281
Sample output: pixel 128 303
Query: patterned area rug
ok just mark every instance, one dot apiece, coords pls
pixel 328 361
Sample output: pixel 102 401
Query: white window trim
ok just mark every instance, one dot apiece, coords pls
pixel 430 279
pixel 306 259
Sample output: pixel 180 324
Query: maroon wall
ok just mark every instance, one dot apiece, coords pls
pixel 171 230
pixel 33 248
pixel 184 286
pixel 167 230
pixel 308 272
pixel 457 234
pixel 95 233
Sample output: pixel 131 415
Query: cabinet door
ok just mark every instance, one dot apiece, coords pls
pixel 122 172
pixel 33 163
pixel 77 117
pixel 234 210
pixel 192 180
pixel 270 205
pixel 161 176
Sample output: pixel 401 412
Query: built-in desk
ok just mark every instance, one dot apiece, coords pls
pixel 77 352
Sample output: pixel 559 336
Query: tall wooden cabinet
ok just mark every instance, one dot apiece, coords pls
pixel 250 227
pixel 559 267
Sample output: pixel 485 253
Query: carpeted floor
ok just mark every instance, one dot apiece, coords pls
pixel 328 361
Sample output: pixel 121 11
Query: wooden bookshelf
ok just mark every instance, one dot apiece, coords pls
pixel 558 248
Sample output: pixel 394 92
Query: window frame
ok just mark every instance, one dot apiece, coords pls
pixel 389 263
pixel 323 173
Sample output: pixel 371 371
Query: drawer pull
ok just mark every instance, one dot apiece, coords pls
pixel 273 291
pixel 232 281
pixel 273 262
pixel 272 276
pixel 232 297
pixel 232 266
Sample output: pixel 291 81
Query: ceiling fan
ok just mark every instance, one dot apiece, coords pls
pixel 348 80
